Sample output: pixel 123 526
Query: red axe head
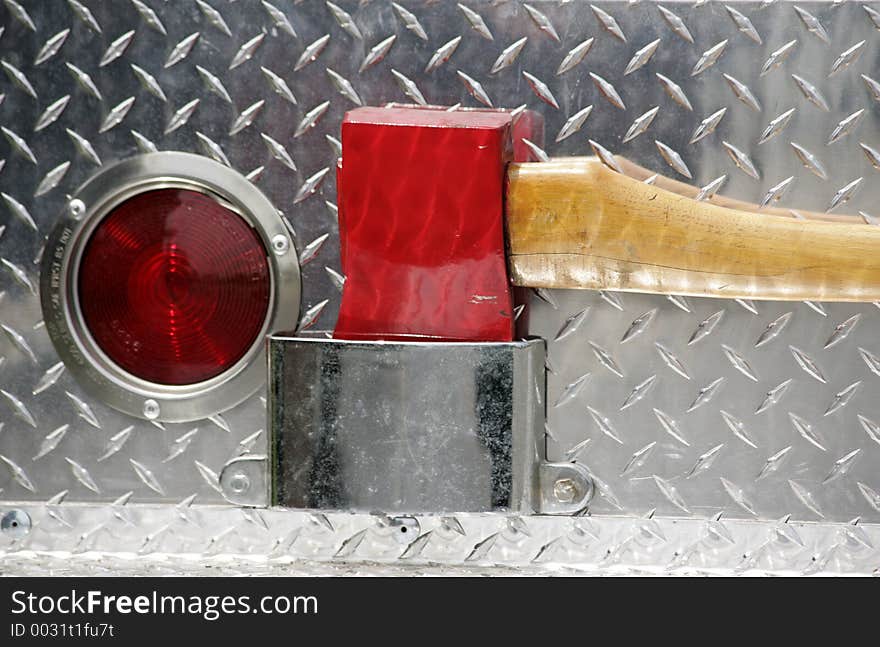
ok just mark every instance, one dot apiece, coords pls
pixel 421 197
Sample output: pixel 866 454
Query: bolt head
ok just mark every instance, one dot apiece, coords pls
pixel 565 490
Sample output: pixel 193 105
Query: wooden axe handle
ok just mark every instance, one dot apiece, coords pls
pixel 640 173
pixel 575 223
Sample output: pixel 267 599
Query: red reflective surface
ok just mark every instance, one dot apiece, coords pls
pixel 173 286
pixel 421 225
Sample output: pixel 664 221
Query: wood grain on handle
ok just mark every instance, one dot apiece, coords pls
pixel 640 173
pixel 577 224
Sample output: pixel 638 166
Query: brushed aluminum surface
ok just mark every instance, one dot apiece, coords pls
pixel 740 96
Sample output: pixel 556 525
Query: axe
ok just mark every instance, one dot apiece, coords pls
pixel 440 218
pixel 428 398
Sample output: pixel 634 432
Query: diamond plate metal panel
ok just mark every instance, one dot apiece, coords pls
pixel 156 540
pixel 690 407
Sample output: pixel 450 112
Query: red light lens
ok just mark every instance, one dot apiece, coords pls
pixel 174 287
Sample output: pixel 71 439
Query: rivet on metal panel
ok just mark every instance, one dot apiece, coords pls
pixel 244 481
pixel 15 524
pixel 405 529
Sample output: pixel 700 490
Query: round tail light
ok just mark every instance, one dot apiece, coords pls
pixel 173 286
pixel 161 281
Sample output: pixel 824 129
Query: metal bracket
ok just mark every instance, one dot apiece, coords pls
pixel 405 426
pixel 336 446
pixel 565 488
pixel 244 481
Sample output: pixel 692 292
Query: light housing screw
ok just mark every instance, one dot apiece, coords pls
pixel 280 244
pixel 151 409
